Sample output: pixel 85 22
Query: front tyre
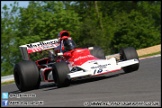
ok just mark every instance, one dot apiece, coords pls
pixel 60 71
pixel 26 75
pixel 127 54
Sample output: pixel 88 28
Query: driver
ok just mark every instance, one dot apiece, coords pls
pixel 66 44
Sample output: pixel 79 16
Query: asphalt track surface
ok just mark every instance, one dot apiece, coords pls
pixel 141 87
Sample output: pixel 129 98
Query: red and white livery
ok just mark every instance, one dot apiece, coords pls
pixel 71 65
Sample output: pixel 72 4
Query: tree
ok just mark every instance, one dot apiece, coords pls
pixel 135 30
pixel 9 24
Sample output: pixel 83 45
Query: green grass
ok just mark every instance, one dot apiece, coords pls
pixel 9 82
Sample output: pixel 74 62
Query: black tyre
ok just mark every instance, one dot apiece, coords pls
pixel 127 54
pixel 60 71
pixel 26 75
pixel 98 52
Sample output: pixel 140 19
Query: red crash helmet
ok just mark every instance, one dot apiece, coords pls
pixel 64 33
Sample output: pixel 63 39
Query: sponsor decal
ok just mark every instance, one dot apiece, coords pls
pixel 39 46
pixel 82 57
pixel 99 66
pixel 43 44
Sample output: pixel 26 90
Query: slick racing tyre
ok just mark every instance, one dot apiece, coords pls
pixel 127 54
pixel 98 52
pixel 60 71
pixel 26 75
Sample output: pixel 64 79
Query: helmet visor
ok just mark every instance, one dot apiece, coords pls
pixel 69 44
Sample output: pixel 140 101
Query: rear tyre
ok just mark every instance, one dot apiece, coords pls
pixel 60 71
pixel 26 75
pixel 127 54
pixel 98 52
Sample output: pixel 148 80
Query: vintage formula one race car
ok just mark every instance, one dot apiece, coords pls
pixel 75 64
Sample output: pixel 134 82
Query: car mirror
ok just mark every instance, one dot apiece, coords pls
pixel 90 48
pixel 59 54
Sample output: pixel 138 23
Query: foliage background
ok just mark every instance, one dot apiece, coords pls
pixel 108 24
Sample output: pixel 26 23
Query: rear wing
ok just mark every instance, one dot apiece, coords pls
pixel 37 47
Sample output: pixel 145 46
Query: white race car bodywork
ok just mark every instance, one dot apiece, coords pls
pixel 93 68
pixel 98 67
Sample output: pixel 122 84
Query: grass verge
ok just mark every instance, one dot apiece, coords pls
pixel 147 55
pixel 8 82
